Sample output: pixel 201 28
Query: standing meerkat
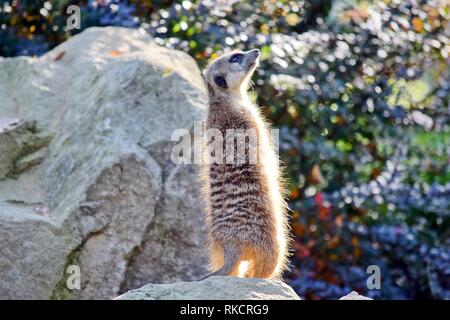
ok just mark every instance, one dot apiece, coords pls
pixel 246 212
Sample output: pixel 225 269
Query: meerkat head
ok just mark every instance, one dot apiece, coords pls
pixel 230 74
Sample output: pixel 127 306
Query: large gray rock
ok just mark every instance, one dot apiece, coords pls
pixel 85 172
pixel 215 288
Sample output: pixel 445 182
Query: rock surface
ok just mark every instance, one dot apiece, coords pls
pixel 354 296
pixel 215 288
pixel 85 172
pixel 221 288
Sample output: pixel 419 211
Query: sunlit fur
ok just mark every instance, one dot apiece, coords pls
pixel 246 212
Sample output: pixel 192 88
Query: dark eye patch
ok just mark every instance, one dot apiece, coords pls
pixel 221 82
pixel 236 58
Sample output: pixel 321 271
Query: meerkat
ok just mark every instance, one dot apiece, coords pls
pixel 246 212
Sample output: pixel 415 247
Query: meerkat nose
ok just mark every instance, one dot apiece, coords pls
pixel 254 52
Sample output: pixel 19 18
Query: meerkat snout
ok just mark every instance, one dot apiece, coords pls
pixel 252 57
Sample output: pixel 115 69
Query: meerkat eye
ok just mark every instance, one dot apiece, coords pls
pixel 236 58
pixel 221 82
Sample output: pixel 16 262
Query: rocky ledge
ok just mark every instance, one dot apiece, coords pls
pixel 221 288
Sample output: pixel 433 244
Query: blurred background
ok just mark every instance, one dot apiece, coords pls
pixel 360 92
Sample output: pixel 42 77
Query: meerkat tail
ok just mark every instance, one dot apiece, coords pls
pixel 231 257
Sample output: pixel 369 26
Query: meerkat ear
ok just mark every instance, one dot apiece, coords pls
pixel 221 82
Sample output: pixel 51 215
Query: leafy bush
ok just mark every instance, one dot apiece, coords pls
pixel 360 91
